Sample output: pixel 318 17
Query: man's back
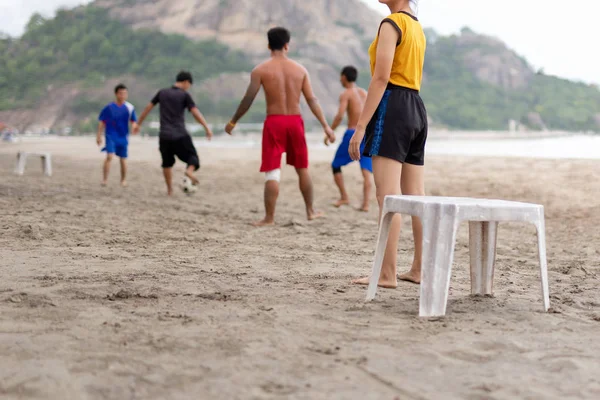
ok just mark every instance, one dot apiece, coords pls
pixel 282 80
pixel 356 97
pixel 173 103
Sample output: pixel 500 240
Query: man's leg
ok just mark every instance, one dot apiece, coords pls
pixel 186 151
pixel 339 181
pixel 341 159
pixel 413 183
pixel 367 176
pixel 167 153
pixel 106 168
pixel 271 194
pixel 168 173
pixel 189 172
pixel 123 172
pixel 387 173
pixel 121 152
pixel 306 187
pixel 297 155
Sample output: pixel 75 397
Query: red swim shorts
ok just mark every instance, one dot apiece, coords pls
pixel 283 134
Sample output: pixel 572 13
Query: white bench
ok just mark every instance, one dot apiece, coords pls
pixel 22 161
pixel 441 217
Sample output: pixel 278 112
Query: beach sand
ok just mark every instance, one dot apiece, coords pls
pixel 110 293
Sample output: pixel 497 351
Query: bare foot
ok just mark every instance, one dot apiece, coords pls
pixel 341 202
pixel 410 276
pixel 264 222
pixel 124 184
pixel 194 180
pixel 383 283
pixel 315 215
pixel 364 209
pixel 103 183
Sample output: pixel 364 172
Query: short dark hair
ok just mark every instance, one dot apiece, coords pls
pixel 350 73
pixel 184 76
pixel 120 86
pixel 278 38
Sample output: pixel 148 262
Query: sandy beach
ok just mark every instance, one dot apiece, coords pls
pixel 111 293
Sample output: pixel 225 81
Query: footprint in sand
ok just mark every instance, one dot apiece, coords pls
pixel 278 388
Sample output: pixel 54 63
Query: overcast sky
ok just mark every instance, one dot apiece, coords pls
pixel 559 36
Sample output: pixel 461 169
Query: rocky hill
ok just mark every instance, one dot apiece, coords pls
pixel 323 39
pixel 62 70
pixel 321 28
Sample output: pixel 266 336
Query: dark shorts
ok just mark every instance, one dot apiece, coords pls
pixel 398 129
pixel 183 148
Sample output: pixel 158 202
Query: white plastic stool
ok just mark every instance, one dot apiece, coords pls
pixel 22 161
pixel 441 217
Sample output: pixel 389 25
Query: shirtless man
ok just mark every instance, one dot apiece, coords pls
pixel 283 81
pixel 351 102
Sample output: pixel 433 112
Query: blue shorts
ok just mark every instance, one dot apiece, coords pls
pixel 342 156
pixel 116 146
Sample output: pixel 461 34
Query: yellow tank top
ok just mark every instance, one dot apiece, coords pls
pixel 407 68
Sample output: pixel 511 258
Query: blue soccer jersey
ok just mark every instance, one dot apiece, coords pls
pixel 117 118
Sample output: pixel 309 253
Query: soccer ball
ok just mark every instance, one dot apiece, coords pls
pixel 188 187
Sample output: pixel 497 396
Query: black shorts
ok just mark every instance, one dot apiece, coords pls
pixel 183 148
pixel 398 129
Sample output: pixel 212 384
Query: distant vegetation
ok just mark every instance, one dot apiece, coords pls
pixel 85 45
pixel 456 98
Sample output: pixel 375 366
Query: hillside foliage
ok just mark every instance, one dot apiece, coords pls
pixel 86 46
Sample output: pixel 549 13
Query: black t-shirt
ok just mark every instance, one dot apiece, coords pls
pixel 173 103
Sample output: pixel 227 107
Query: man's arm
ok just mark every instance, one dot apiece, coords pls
pixel 101 127
pixel 341 111
pixel 135 129
pixel 143 116
pixel 155 100
pixel 134 124
pixel 247 101
pixel 202 121
pixel 315 108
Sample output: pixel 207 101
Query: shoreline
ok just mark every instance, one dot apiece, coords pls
pixel 557 145
pixel 436 134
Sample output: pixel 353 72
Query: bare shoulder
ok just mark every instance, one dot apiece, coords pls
pixel 301 69
pixel 260 68
pixel 346 94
